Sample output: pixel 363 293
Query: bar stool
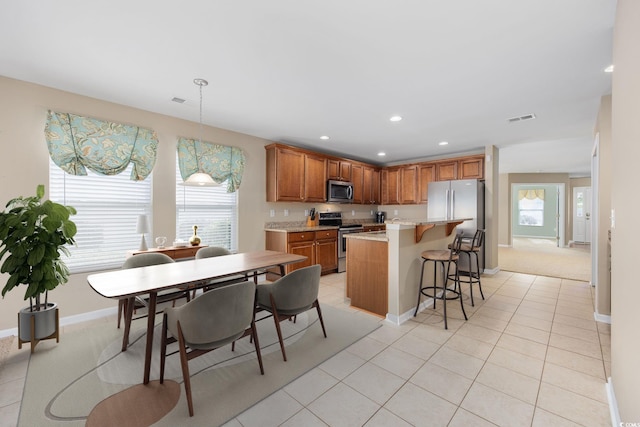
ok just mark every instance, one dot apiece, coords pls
pixel 472 247
pixel 444 258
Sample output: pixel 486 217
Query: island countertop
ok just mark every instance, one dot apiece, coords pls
pixel 420 221
pixel 379 236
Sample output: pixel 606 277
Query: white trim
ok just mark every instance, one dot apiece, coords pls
pixel 491 271
pixel 613 404
pixel 602 317
pixel 399 320
pixel 71 320
pixel 500 245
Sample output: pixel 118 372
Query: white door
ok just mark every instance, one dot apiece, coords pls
pixel 582 214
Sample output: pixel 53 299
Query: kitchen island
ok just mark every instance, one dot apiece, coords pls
pixel 383 268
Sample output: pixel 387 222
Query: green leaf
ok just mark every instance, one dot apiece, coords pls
pixel 36 255
pixel 40 191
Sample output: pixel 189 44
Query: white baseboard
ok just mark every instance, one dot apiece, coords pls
pixel 491 271
pixel 602 317
pixel 613 405
pixel 399 320
pixel 503 246
pixel 71 320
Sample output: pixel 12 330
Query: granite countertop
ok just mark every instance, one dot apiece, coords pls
pixel 299 228
pixel 379 236
pixel 435 221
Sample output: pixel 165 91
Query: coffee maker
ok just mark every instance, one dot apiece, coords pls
pixel 380 217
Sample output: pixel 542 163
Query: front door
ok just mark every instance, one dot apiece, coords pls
pixel 582 214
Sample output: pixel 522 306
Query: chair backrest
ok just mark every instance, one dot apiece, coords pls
pixel 215 315
pixel 297 290
pixel 211 251
pixel 478 239
pixel 144 260
pixel 455 246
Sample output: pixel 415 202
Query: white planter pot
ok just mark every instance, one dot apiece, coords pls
pixel 45 322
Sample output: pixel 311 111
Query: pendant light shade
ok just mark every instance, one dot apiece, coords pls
pixel 200 178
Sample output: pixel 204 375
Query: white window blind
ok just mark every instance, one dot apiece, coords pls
pixel 108 208
pixel 212 209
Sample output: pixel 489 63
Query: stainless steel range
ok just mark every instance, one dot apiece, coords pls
pixel 335 219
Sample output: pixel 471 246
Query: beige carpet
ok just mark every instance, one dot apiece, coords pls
pixel 541 257
pixel 65 382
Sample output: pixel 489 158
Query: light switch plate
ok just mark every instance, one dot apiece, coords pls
pixel 286 212
pixel 272 213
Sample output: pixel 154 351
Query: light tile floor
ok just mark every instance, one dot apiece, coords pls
pixel 531 354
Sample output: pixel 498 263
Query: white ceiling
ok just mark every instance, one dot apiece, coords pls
pixel 292 70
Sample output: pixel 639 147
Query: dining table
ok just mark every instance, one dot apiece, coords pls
pixel 196 273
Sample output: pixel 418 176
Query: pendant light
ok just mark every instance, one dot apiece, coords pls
pixel 200 179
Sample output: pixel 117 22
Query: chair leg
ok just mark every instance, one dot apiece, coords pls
pixel 317 305
pixel 276 319
pixel 420 288
pixel 471 276
pixel 184 362
pixel 445 278
pixel 478 271
pixel 254 335
pixel 459 286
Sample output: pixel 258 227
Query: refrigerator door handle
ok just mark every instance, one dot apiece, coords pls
pixel 446 204
pixel 452 211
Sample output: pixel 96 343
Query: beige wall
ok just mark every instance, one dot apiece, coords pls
pixel 605 166
pixel 23 108
pixel 625 290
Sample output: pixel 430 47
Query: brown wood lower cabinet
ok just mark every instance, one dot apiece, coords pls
pixel 367 275
pixel 320 247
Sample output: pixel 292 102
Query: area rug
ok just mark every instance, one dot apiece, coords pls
pixel 65 382
pixel 542 258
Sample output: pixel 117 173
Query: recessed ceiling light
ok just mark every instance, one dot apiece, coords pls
pixel 609 69
pixel 178 100
pixel 395 118
pixel 443 143
pixel 382 153
pixel 324 137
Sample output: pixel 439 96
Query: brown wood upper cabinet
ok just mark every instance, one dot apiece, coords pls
pixel 295 176
pixel 471 167
pixel 340 170
pixel 426 174
pixel 390 185
pixel 370 186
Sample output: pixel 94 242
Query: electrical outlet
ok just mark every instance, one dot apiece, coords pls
pixel 306 212
pixel 353 213
pixel 372 212
pixel 395 211
pixel 286 212
pixel 272 213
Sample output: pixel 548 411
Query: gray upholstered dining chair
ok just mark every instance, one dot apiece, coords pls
pixel 216 251
pixel 129 305
pixel 210 321
pixel 291 295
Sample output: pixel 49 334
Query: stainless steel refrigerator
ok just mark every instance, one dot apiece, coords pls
pixel 458 199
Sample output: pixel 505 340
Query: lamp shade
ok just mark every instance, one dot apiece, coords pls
pixel 143 224
pixel 200 179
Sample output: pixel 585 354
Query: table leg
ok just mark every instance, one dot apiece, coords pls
pixel 281 270
pixel 151 318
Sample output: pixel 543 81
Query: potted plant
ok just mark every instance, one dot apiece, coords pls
pixel 34 233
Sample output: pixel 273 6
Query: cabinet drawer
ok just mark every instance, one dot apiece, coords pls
pixel 300 236
pixel 326 234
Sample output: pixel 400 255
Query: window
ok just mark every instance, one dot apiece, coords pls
pixel 531 207
pixel 108 209
pixel 212 209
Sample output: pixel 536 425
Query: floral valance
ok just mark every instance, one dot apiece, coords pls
pixel 222 162
pixel 78 143
pixel 531 194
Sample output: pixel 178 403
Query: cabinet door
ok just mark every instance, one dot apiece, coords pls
pixel 471 168
pixel 358 187
pixel 426 174
pixel 446 171
pixel 301 248
pixel 327 254
pixel 315 183
pixel 289 171
pixel 370 186
pixel 339 170
pixel 409 185
pixel 375 187
pixel 390 185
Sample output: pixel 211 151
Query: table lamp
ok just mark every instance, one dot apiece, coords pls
pixel 142 227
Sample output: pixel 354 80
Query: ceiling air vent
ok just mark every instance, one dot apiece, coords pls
pixel 178 100
pixel 522 118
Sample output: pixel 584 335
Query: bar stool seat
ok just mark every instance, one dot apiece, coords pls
pixel 469 248
pixel 444 258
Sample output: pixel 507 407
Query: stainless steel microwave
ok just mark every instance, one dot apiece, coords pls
pixel 339 191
